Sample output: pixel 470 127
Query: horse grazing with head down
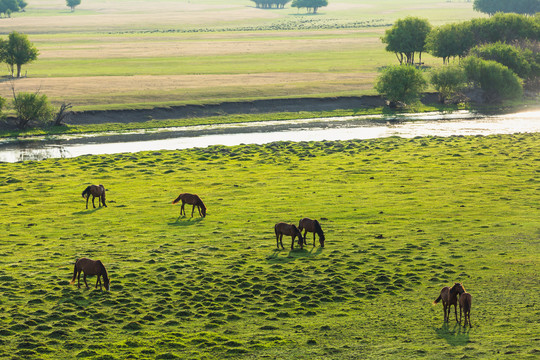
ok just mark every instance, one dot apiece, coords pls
pixel 288 229
pixel 465 303
pixel 449 297
pixel 96 192
pixel 311 226
pixel 191 199
pixel 90 267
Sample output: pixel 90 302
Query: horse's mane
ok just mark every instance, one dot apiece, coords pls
pixel 318 228
pixel 201 204
pixel 103 271
pixel 86 191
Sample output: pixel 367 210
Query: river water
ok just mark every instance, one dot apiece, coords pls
pixel 340 128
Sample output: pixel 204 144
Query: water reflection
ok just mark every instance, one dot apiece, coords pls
pixel 345 128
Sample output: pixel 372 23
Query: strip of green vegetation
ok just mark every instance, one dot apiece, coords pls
pixel 216 120
pixel 402 217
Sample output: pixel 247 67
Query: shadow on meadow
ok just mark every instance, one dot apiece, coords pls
pixel 292 254
pixel 87 212
pixel 457 336
pixel 187 222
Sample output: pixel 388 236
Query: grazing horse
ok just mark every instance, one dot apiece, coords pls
pixel 465 302
pixel 191 199
pixel 449 297
pixel 90 267
pixel 311 226
pixel 96 192
pixel 288 229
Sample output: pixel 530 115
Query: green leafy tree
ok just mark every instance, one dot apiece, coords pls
pixel 269 4
pixel 314 5
pixel 9 6
pixel 22 4
pixel 401 84
pixel 450 40
pixel 448 81
pixel 505 28
pixel 491 7
pixel 17 51
pixel 72 4
pixel 497 81
pixel 407 37
pixel 32 108
pixel 514 58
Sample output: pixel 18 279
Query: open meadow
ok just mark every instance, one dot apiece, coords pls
pixel 402 218
pixel 129 54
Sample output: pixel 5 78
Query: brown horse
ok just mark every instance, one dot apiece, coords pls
pixel 288 229
pixel 96 192
pixel 311 226
pixel 191 199
pixel 90 267
pixel 449 298
pixel 465 302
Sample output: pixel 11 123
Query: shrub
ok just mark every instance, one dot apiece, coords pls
pixel 513 58
pixel 401 84
pixel 32 108
pixel 497 81
pixel 448 80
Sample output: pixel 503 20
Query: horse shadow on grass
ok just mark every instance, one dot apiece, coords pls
pixel 292 254
pixel 87 211
pixel 456 336
pixel 183 221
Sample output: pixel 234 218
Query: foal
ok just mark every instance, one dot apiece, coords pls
pixel 288 229
pixel 465 302
pixel 311 226
pixel 449 298
pixel 90 267
pixel 191 199
pixel 96 192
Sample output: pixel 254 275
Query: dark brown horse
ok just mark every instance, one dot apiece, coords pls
pixel 449 297
pixel 96 192
pixel 311 226
pixel 90 267
pixel 288 229
pixel 191 199
pixel 465 303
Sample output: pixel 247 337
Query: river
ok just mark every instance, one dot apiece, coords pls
pixel 339 128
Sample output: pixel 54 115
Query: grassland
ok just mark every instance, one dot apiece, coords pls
pixel 146 53
pixel 403 217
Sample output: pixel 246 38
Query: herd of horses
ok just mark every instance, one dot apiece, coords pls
pixel 449 296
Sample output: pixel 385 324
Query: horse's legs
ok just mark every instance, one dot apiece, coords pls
pixel 87 198
pixel 281 240
pixel 93 203
pixel 103 200
pixel 455 311
pixel 182 209
pixel 460 316
pixel 444 309
pixel 313 239
pixel 84 278
pixel 292 243
pixel 79 279
pixel 192 210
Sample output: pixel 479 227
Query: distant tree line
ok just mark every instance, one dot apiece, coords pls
pixel 498 55
pixel 7 7
pixel 271 4
pixel 529 7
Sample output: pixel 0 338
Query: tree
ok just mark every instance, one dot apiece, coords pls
pixel 9 6
pixel 448 81
pixel 309 4
pixel 17 51
pixel 491 7
pixel 450 40
pixel 505 28
pixel 401 84
pixel 407 37
pixel 515 59
pixel 32 108
pixel 495 80
pixel 268 4
pixel 72 4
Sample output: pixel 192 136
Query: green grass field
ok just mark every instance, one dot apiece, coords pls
pixel 144 53
pixel 402 217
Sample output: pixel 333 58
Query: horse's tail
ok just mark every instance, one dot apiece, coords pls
pixel 437 300
pixel 177 199
pixel 74 273
pixel 86 191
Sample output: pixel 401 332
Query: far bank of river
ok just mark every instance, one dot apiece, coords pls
pixel 337 128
